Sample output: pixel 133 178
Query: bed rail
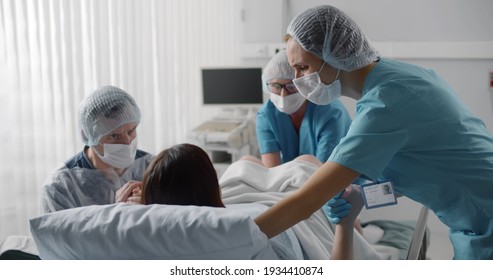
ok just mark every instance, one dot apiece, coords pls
pixel 417 249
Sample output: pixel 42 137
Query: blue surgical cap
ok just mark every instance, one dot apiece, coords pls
pixel 104 110
pixel 334 37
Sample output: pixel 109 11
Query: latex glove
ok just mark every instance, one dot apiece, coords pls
pixel 130 192
pixel 336 208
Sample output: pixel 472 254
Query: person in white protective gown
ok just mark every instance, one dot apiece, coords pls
pixel 110 167
pixel 409 129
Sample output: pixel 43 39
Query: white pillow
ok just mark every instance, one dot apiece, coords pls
pixel 124 231
pixel 285 245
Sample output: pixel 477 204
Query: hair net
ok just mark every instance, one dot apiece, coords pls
pixel 333 36
pixel 277 68
pixel 104 110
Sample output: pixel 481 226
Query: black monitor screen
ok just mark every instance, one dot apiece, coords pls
pixel 235 86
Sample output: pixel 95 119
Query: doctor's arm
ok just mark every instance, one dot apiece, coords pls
pixel 326 182
pixel 331 127
pixel 271 159
pixel 56 194
pixel 267 143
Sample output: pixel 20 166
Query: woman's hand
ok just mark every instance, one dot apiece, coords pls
pixel 344 232
pixel 352 194
pixel 131 192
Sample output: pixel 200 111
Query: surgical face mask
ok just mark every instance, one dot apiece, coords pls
pixel 312 88
pixel 287 104
pixel 119 155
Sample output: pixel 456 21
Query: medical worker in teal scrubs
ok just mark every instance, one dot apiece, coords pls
pixel 409 128
pixel 288 125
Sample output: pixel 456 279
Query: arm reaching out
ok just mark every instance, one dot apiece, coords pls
pixel 326 182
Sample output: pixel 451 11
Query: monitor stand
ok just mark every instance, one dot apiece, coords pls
pixel 237 113
pixel 227 136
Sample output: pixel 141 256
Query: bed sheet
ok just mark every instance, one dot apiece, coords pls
pixel 249 182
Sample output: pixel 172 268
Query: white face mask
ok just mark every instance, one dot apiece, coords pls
pixel 119 155
pixel 287 104
pixel 312 88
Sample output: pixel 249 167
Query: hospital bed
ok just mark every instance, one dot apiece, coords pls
pixel 123 231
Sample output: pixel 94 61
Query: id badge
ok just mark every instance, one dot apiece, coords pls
pixel 378 194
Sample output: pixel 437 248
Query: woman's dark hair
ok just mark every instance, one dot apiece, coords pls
pixel 181 175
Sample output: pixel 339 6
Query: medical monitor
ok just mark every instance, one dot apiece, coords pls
pixel 240 87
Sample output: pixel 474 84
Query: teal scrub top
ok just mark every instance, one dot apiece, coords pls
pixel 410 128
pixel 321 129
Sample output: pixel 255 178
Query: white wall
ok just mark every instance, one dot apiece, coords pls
pixel 381 20
pixel 417 20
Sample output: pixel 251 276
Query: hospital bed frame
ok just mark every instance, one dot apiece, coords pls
pixel 18 255
pixel 418 246
pixel 409 237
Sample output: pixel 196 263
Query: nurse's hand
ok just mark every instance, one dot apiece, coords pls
pixel 130 192
pixel 336 208
pixel 346 203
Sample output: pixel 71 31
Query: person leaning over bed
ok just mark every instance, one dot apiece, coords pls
pixel 185 175
pixel 109 164
pixel 409 129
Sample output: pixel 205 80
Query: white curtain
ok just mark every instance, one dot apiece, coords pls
pixel 54 52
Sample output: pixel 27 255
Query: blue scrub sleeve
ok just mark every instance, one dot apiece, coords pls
pixel 325 147
pixel 366 154
pixel 374 137
pixel 333 130
pixel 265 137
